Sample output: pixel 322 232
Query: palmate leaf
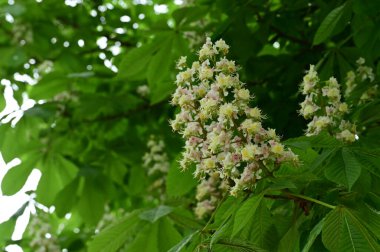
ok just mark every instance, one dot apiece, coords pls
pixel 343 231
pixel 343 168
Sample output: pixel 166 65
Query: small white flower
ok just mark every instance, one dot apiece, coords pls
pixel 222 46
pixel 181 64
pixel 143 90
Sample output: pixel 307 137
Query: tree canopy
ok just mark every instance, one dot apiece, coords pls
pixel 205 125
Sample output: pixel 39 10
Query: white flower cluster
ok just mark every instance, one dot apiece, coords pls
pixel 42 239
pixel 354 79
pixel 323 105
pixel 143 90
pixel 223 133
pixel 157 164
pixel 209 192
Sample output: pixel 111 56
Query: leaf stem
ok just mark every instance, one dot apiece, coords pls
pixel 311 200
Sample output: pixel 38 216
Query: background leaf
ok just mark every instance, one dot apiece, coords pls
pixel 328 25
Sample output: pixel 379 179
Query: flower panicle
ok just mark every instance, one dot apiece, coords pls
pixel 224 134
pixel 323 105
pixel 356 78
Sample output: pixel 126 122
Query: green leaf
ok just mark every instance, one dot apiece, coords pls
pixel 189 14
pixel 328 25
pixel 240 245
pixel 114 237
pixel 370 218
pixel 158 74
pixel 290 241
pixel 313 235
pixel 343 168
pixel 137 180
pixel 57 172
pixel 48 86
pixel 325 155
pixel 16 177
pixel 146 240
pixel 222 232
pixel 2 100
pixel 179 182
pixel 185 218
pixel 369 160
pixel 23 135
pixel 281 183
pixel 353 167
pixel 245 213
pixel 225 210
pixel 322 140
pixel 66 198
pixel 156 213
pixel 343 231
pixel 262 232
pixel 134 64
pixel 91 203
pixel 184 242
pixel 6 231
pixel 158 68
pixel 307 155
pixel 168 235
pixel 116 169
